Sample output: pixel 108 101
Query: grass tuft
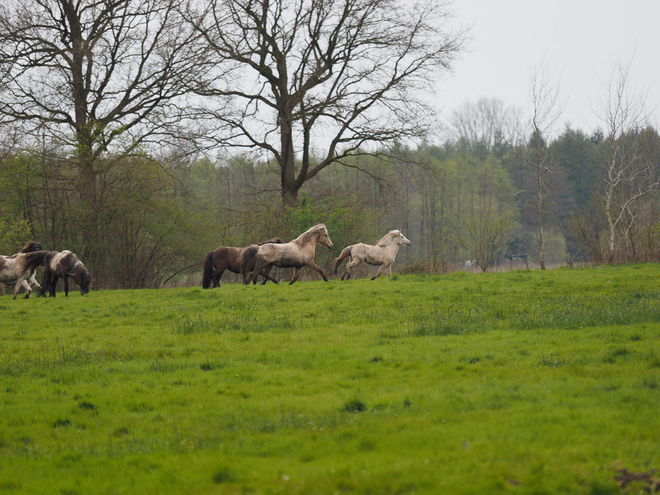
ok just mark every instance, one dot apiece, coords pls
pixel 355 406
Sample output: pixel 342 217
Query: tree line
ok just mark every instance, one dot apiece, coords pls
pixel 141 134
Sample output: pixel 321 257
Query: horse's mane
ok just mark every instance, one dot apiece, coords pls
pixel 273 240
pixel 305 237
pixel 387 238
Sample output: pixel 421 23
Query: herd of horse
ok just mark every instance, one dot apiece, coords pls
pixel 252 262
pixel 21 268
pixel 257 260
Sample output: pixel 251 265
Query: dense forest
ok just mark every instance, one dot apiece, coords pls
pixel 142 135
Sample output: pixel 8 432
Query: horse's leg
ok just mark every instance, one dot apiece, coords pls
pixel 296 272
pixel 259 265
pixel 266 275
pixel 316 267
pixel 28 289
pixel 349 267
pixel 20 281
pixel 46 283
pixel 217 275
pixel 66 286
pixel 33 280
pixel 53 284
pixel 382 268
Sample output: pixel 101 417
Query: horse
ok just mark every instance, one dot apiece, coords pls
pixel 471 265
pixel 383 254
pixel 226 258
pixel 21 268
pixel 295 254
pixel 64 264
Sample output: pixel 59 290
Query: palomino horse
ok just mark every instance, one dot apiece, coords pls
pixel 22 266
pixel 226 258
pixel 383 254
pixel 295 254
pixel 65 265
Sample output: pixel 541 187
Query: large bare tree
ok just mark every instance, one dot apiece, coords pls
pixel 545 109
pixel 96 76
pixel 628 173
pixel 317 80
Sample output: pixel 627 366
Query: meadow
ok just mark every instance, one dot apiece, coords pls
pixel 523 382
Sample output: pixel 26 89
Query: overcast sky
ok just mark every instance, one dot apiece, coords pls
pixel 579 39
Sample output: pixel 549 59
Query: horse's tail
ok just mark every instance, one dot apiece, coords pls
pixel 247 260
pixel 344 254
pixel 208 270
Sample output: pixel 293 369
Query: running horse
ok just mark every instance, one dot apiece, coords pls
pixel 383 254
pixel 226 258
pixel 22 266
pixel 295 254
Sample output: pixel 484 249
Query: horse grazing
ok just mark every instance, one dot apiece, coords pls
pixel 21 267
pixel 295 254
pixel 65 265
pixel 383 254
pixel 226 258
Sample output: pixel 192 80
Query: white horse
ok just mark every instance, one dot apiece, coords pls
pixel 21 268
pixel 295 254
pixel 383 254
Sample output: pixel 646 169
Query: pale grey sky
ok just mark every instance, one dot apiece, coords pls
pixel 579 39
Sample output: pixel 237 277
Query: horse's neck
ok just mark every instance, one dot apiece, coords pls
pixel 391 249
pixel 309 245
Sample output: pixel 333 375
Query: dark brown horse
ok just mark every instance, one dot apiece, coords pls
pixel 226 258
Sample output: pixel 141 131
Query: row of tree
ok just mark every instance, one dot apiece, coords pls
pixel 143 133
pixel 458 201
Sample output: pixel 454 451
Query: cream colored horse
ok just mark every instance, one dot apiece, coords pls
pixel 295 254
pixel 383 254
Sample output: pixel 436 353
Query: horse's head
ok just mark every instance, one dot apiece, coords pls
pixel 84 279
pixel 323 236
pixel 401 239
pixel 31 247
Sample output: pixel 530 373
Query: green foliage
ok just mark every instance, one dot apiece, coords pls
pixel 346 220
pixel 528 381
pixel 14 234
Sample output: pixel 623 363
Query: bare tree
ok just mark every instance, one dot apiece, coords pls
pixel 318 80
pixel 628 175
pixel 487 125
pixel 546 108
pixel 98 76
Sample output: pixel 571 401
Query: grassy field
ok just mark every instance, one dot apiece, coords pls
pixel 518 382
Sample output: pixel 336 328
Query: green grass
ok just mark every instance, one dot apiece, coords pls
pixel 519 382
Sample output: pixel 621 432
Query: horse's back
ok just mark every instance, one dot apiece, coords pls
pixel 377 255
pixel 285 255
